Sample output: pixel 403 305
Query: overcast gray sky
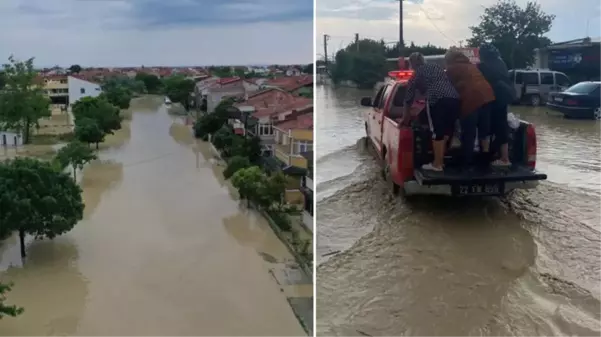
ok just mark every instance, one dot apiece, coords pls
pixel 157 32
pixel 447 24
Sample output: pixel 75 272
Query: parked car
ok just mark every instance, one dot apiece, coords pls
pixel 402 150
pixel 580 101
pixel 532 86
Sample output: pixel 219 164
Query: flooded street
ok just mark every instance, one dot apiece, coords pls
pixel 164 249
pixel 528 265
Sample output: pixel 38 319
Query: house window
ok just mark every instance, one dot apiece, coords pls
pixel 302 146
pixel 82 90
pixel 265 130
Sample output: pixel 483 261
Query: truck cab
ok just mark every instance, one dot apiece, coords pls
pixel 402 150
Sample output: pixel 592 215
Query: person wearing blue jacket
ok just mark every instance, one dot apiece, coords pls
pixel 496 73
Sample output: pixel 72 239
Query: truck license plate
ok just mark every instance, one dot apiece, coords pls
pixel 479 189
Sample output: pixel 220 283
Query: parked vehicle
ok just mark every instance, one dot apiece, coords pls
pixel 167 101
pixel 403 149
pixel 580 101
pixel 532 86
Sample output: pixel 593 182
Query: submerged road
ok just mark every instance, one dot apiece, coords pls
pixel 528 265
pixel 164 249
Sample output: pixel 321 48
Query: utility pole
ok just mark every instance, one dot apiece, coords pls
pixel 401 42
pixel 357 41
pixel 326 37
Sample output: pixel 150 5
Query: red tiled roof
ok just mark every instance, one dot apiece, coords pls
pixel 273 101
pixel 291 83
pixel 227 80
pixel 303 122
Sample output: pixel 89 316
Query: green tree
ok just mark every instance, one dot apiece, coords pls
pixel 514 30
pixel 118 91
pixel 234 164
pixel 221 71
pixel 207 124
pixel 37 199
pixel 75 69
pixel 100 110
pixel 223 138
pixel 308 69
pixel 271 192
pixel 178 89
pixel 88 131
pixel 152 83
pixel 7 310
pixel 248 182
pixel 22 102
pixel 76 154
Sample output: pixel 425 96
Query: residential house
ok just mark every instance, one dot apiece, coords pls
pixel 293 71
pixel 298 85
pixel 10 138
pixel 78 89
pixel 266 107
pixel 56 87
pixel 307 190
pixel 293 137
pixel 227 87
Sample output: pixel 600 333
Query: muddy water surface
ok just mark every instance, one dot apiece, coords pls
pixel 528 265
pixel 164 249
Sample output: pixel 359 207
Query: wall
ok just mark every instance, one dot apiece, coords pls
pixel 302 134
pixel 7 138
pixel 75 86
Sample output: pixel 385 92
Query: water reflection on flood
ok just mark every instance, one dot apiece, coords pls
pixel 162 249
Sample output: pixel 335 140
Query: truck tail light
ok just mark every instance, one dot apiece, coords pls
pixel 571 102
pixel 531 146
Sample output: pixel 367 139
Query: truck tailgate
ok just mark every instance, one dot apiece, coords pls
pixel 454 176
pixel 495 182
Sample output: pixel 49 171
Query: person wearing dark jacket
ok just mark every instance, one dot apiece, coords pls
pixel 476 101
pixel 496 73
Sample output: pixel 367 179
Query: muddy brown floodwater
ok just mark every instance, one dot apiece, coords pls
pixel 164 249
pixel 527 265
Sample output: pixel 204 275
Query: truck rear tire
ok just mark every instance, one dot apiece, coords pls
pixel 396 189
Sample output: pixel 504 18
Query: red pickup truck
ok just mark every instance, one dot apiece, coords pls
pixel 403 149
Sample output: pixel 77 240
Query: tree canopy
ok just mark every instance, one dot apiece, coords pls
pixel 364 61
pixel 37 199
pixel 514 30
pixel 88 131
pixel 99 110
pixel 22 102
pixel 152 83
pixel 75 69
pixel 5 309
pixel 178 89
pixel 76 154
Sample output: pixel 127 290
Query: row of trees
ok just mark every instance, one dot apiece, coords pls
pixel 516 31
pixel 243 158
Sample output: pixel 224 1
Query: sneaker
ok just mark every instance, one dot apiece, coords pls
pixel 431 167
pixel 500 163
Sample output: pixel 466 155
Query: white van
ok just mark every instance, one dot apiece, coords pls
pixel 532 86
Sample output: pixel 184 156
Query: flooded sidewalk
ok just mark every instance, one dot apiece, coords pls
pixel 164 249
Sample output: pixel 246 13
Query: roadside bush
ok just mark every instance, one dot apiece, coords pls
pixel 235 164
pixel 207 124
pixel 223 138
pixel 281 220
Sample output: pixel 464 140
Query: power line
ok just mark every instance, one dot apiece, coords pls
pixel 434 25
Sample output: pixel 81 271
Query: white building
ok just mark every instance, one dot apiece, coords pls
pixel 79 89
pixel 10 138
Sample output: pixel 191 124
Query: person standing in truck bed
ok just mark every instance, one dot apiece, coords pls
pixel 443 102
pixel 495 71
pixel 476 101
